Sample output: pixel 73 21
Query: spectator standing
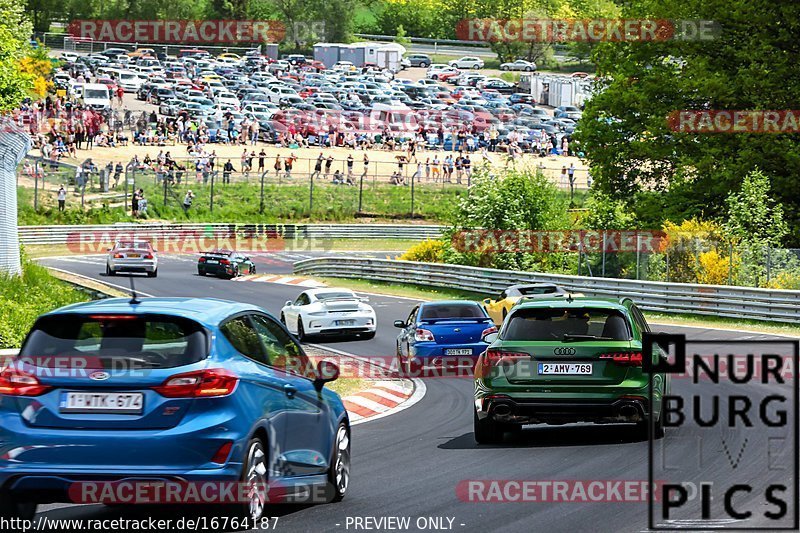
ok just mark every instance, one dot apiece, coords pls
pixel 62 198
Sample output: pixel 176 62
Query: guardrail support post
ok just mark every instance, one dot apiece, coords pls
pixel 310 194
pixel 637 255
pixel 211 201
pixel 603 267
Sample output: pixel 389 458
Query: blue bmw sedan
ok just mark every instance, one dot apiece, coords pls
pixel 436 333
pixel 168 390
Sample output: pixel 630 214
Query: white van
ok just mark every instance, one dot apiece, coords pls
pixel 96 96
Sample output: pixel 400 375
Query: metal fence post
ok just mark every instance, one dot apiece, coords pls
pixel 603 267
pixel 261 204
pixel 165 193
pixel 730 263
pixel 36 187
pixel 211 200
pixel 769 269
pixel 637 255
pixel 360 191
pixel 412 194
pixel 310 194
pixel 125 206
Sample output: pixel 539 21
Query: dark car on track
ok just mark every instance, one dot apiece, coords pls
pixel 225 264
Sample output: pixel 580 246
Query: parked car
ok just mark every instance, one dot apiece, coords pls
pixel 419 60
pixel 470 62
pixel 519 64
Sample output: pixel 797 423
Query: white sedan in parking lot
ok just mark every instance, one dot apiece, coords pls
pixel 329 311
pixel 467 62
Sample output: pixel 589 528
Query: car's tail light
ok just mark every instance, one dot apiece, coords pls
pixel 200 384
pixel 423 335
pixel 222 454
pixel 623 358
pixel 224 262
pixel 148 256
pixel 118 256
pixel 487 331
pixel 201 260
pixel 15 382
pixel 494 357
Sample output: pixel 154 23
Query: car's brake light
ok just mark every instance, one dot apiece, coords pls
pixel 493 357
pixel 148 256
pixel 487 331
pixel 222 454
pixel 224 262
pixel 118 256
pixel 108 318
pixel 199 384
pixel 624 358
pixel 15 382
pixel 201 260
pixel 423 335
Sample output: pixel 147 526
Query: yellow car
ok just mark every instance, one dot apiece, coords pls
pixel 499 308
pixel 229 55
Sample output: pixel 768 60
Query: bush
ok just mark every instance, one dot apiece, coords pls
pixel 427 251
pixel 520 200
pixel 23 298
pixel 713 268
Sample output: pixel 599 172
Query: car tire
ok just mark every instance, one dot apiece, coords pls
pixel 301 332
pixel 252 269
pixel 476 67
pixel 369 335
pixel 423 64
pixel 505 314
pixel 339 471
pixel 486 431
pixel 528 69
pixel 10 508
pixel 153 274
pixel 435 77
pixel 283 319
pixel 254 473
pixel 201 272
pixel 504 68
pixel 110 272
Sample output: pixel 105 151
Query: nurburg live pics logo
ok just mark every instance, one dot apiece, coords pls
pixel 730 457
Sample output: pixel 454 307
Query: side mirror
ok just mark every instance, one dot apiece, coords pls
pixel 489 338
pixel 399 324
pixel 288 303
pixel 327 371
pixel 487 301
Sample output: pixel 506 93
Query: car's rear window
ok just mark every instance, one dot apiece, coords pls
pixel 133 245
pixel 537 290
pixel 554 324
pixel 117 341
pixel 455 311
pixel 335 296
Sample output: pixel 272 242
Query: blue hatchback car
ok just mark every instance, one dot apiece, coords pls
pixel 188 390
pixel 438 332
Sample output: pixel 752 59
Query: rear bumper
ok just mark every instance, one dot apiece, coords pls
pixel 537 411
pixel 431 350
pixel 145 265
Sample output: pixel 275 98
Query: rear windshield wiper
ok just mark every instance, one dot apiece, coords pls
pixel 576 337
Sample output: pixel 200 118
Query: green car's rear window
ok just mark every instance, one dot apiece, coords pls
pixel 553 324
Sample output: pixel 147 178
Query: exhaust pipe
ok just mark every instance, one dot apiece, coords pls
pixel 502 410
pixel 629 411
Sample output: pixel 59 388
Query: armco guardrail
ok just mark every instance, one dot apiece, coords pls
pixel 31 235
pixel 712 300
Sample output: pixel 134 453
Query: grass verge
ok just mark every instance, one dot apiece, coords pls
pixel 23 298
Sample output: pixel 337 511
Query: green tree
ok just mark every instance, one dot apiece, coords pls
pixel 753 216
pixel 751 63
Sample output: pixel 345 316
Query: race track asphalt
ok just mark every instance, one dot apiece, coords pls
pixel 410 464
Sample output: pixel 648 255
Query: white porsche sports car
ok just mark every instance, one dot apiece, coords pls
pixel 329 312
